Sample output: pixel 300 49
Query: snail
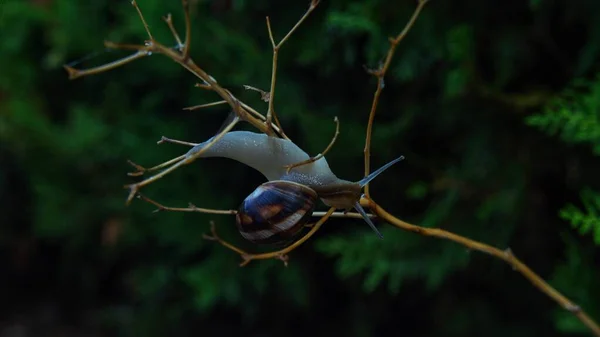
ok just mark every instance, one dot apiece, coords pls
pixel 278 209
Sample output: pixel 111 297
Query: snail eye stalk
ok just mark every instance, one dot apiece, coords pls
pixel 372 176
pixel 362 212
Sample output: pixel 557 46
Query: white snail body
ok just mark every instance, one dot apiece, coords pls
pixel 277 210
pixel 269 156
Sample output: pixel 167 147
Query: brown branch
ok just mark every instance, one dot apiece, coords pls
pixel 75 73
pixel 380 73
pixel 280 254
pixel 319 156
pixel 504 255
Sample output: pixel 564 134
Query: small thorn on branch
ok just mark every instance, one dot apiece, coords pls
pixel 573 308
pixel 284 258
pixel 245 260
pixel 133 190
pixel 72 72
pixel 205 86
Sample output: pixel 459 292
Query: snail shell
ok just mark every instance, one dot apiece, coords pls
pixel 275 212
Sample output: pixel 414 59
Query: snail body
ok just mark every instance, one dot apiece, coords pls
pixel 278 209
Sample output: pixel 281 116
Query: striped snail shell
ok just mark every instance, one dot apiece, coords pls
pixel 275 212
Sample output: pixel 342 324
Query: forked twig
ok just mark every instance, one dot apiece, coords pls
pixel 169 21
pixel 266 97
pixel 280 254
pixel 319 156
pixel 141 170
pixel 276 47
pixel 380 73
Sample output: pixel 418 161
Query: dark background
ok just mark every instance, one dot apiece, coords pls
pixel 494 104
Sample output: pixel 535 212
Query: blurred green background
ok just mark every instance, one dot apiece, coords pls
pixel 494 104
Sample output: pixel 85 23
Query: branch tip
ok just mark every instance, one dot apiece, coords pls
pixel 72 72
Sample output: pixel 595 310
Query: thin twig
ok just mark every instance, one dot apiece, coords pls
pixel 141 170
pixel 75 73
pixel 137 8
pixel 190 208
pixel 280 254
pixel 164 139
pixel 202 106
pixel 380 73
pixel 319 156
pixel 188 29
pixel 504 255
pixel 169 20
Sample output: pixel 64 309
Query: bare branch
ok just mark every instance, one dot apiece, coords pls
pixel 380 73
pixel 504 255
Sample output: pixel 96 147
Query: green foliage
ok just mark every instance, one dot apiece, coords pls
pixel 586 221
pixel 574 115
